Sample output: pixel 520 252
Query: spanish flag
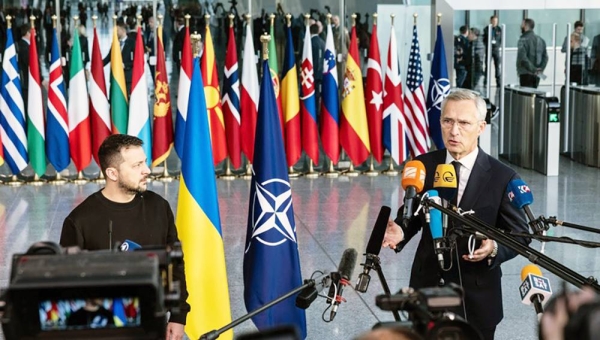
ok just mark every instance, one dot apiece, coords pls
pixel 118 91
pixel 354 130
pixel 199 223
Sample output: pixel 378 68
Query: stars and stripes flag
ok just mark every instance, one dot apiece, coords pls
pixel 12 110
pixel 374 97
pixel 231 101
pixel 439 88
pixel 99 109
pixel 79 110
pixel 291 102
pixel 183 91
pixel 36 144
pixel 57 124
pixel 249 94
pixel 394 137
pixel 330 103
pixel 414 101
pixel 310 131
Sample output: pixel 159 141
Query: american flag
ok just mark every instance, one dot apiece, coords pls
pixel 414 101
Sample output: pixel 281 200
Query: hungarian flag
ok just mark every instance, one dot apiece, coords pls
pixel 330 104
pixel 394 125
pixel 162 137
pixel 231 101
pixel 354 133
pixel 183 92
pixel 374 97
pixel 118 89
pixel 274 70
pixel 213 100
pixel 439 88
pixel 310 135
pixel 80 142
pixel 99 110
pixel 139 114
pixel 36 145
pixel 249 93
pixel 291 102
pixel 57 126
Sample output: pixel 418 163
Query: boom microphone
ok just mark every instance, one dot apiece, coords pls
pixel 520 196
pixel 445 181
pixel 373 248
pixel 342 279
pixel 535 288
pixel 413 181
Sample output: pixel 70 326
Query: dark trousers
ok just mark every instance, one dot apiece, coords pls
pixel 496 60
pixel 488 333
pixel 529 80
pixel 461 76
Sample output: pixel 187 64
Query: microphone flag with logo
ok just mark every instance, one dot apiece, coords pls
pixel 535 288
pixel 271 259
pixel 445 181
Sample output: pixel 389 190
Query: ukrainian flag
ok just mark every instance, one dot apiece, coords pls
pixel 199 224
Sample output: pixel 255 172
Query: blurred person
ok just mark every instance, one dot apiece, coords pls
pixel 578 44
pixel 474 61
pixel 532 56
pixel 496 40
pixel 91 315
pixel 461 43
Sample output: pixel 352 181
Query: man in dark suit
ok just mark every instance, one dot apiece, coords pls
pixel 461 43
pixel 318 51
pixel 127 49
pixel 178 44
pixel 482 181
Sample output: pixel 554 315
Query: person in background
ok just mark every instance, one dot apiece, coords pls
pixel 461 43
pixel 532 56
pixel 496 39
pixel 578 44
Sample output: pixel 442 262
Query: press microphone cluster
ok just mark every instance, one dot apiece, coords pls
pixel 341 279
pixel 535 288
pixel 373 249
pixel 520 196
pixel 413 181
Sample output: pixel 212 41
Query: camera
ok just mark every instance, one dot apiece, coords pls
pixel 56 293
pixel 430 312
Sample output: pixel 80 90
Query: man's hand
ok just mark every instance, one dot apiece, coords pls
pixel 174 331
pixel 486 248
pixel 393 235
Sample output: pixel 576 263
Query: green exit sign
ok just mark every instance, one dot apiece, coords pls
pixel 553 117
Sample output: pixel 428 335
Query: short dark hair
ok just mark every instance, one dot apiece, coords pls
pixel 463 29
pixel 529 23
pixel 493 17
pixel 314 29
pixel 109 153
pixel 23 29
pixel 578 23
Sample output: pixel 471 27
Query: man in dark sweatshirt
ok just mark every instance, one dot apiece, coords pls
pixel 136 214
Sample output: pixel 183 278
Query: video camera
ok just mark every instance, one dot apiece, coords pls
pixel 430 312
pixel 57 293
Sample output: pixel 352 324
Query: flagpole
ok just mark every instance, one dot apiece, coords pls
pixel 390 170
pixel 291 172
pixel 371 172
pixel 331 173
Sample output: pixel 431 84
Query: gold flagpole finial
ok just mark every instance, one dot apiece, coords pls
pixel 415 18
pixel 392 16
pixel 264 39
pixel 187 20
pixel 272 18
pixel 32 20
pixel 328 18
pixel 353 16
pixel 9 18
pixel 288 18
pixel 160 20
pixel 307 19
pixel 207 19
pixel 94 18
pixel 231 17
pixel 114 21
pixel 248 18
pixel 439 18
pixel 75 19
pixel 139 21
pixel 195 39
pixel 375 15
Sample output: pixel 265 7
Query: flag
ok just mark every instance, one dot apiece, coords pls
pixel 118 90
pixel 199 224
pixel 139 115
pixel 291 102
pixel 394 136
pixel 213 102
pixel 310 135
pixel 183 92
pixel 354 133
pixel 231 102
pixel 99 110
pixel 79 110
pixel 274 70
pixel 374 97
pixel 414 101
pixel 439 88
pixel 118 309
pixel 1 148
pixel 330 103
pixel 12 110
pixel 162 137
pixel 249 94
pixel 271 259
pixel 36 145
pixel 57 124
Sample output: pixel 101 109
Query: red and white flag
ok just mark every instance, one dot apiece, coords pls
pixel 99 109
pixel 374 97
pixel 249 96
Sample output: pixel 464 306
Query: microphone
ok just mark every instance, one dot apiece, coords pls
pixel 373 249
pixel 445 181
pixel 110 235
pixel 129 245
pixel 434 218
pixel 340 279
pixel 520 196
pixel 306 297
pixel 535 288
pixel 413 180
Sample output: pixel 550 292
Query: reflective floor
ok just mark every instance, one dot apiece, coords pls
pixel 332 215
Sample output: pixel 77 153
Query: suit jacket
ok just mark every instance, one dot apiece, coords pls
pixel 178 46
pixel 318 53
pixel 485 195
pixel 127 56
pixel 23 63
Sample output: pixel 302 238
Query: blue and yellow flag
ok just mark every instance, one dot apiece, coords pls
pixel 271 259
pixel 199 223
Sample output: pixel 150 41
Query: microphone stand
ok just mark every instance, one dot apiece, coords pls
pixel 531 254
pixel 544 238
pixel 376 266
pixel 214 334
pixel 552 220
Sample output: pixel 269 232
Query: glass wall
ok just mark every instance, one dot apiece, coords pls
pixel 512 19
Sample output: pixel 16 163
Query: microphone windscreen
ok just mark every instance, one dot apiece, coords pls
pixel 374 245
pixel 347 263
pixel 435 221
pixel 519 193
pixel 413 175
pixel 445 181
pixel 530 269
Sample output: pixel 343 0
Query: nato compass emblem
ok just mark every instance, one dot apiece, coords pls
pixel 441 88
pixel 272 213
